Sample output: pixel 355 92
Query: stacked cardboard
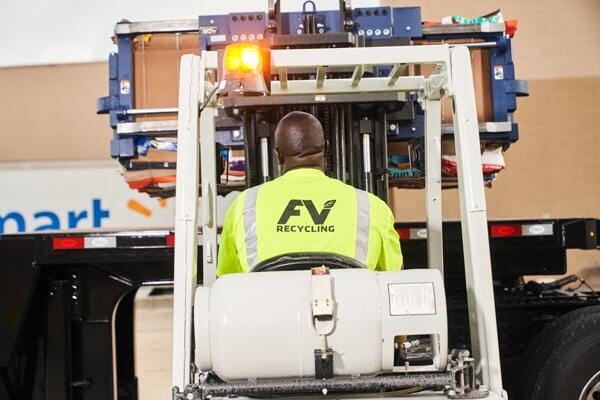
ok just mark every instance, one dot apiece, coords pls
pixel 409 172
pixel 156 59
pixel 480 63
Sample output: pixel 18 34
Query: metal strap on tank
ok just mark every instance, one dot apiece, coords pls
pixel 251 237
pixel 363 219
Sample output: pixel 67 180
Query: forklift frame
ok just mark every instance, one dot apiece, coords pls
pixel 452 78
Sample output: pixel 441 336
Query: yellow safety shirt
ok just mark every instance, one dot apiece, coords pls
pixel 306 211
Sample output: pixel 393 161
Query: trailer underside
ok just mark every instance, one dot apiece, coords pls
pixel 71 310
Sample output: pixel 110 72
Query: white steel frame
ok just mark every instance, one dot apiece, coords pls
pixel 452 77
pixel 195 151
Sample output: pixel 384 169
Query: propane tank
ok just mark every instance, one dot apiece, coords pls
pixel 273 324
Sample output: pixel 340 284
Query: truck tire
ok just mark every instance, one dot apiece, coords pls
pixel 563 360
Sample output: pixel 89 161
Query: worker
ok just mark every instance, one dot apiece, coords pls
pixel 305 211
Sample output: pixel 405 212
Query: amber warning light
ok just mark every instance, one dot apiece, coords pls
pixel 243 71
pixel 242 58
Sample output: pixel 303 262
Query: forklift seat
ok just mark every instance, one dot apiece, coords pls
pixel 305 261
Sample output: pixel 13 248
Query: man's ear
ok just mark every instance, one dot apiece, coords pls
pixel 279 157
pixel 323 159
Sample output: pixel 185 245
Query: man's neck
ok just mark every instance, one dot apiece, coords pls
pixel 288 169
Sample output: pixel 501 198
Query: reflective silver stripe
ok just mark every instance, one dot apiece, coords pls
pixel 363 219
pixel 250 226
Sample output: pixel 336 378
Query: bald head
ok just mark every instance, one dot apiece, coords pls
pixel 300 142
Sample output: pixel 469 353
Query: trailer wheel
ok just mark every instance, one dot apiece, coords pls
pixel 563 360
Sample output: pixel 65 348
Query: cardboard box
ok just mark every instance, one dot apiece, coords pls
pixel 156 59
pixel 157 156
pixel 480 62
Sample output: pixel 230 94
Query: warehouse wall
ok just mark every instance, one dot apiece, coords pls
pixel 555 38
pixel 47 112
pixel 553 170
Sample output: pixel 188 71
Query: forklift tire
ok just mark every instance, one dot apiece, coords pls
pixel 563 360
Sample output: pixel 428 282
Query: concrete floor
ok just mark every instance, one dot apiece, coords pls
pixel 153 330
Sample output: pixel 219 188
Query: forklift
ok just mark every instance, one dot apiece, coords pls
pixel 229 335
